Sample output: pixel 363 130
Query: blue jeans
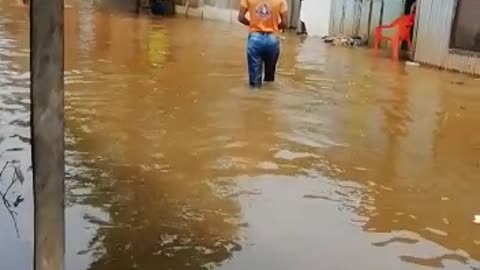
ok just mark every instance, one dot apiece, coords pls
pixel 262 49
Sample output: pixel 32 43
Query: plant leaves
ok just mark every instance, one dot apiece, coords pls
pixel 18 201
pixel 18 172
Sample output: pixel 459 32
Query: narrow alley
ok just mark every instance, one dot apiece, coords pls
pixel 347 162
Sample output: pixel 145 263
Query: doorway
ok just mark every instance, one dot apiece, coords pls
pixel 408 9
pixel 408 6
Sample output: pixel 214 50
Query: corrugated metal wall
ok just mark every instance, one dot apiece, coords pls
pixel 293 12
pixel 349 18
pixel 377 11
pixel 365 18
pixel 360 17
pixel 392 9
pixel 433 37
pixel 336 17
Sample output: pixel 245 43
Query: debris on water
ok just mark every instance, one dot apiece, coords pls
pixel 18 172
pixel 327 39
pixel 245 192
pixel 347 41
pixel 311 196
pixel 266 165
pixel 360 168
pixel 386 188
pixel 476 219
pixel 412 64
pixel 445 199
pixel 436 231
pixel 445 220
pixel 458 82
pixel 83 252
pixel 18 201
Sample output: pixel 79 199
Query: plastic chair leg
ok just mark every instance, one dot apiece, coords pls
pixel 396 49
pixel 377 38
pixel 409 44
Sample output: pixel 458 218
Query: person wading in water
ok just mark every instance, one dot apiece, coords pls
pixel 266 18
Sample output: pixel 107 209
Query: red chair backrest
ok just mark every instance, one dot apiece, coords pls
pixel 404 24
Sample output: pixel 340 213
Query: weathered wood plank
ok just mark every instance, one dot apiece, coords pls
pixel 47 122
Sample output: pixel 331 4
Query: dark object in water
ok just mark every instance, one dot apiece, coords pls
pixel 18 201
pixel 157 8
pixel 162 7
pixel 302 29
pixel 329 40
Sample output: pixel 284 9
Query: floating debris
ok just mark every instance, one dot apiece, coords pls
pixel 436 231
pixel 360 168
pixel 445 220
pixel 353 41
pixel 476 219
pixel 18 201
pixel 412 64
pixel 18 172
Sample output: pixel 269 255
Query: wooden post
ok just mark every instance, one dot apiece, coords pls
pixel 47 124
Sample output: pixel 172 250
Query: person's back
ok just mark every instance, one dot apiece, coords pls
pixel 266 19
pixel 265 15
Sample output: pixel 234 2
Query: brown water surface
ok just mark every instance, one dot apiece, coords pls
pixel 346 162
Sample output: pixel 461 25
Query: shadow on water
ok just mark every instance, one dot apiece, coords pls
pixel 173 162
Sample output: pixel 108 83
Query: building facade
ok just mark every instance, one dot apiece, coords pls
pixel 360 17
pixel 446 32
pixel 227 10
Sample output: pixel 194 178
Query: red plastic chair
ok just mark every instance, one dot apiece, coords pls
pixel 402 28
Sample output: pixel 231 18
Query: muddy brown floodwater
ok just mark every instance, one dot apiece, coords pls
pixel 347 162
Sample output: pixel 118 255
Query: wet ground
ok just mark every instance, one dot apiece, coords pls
pixel 347 162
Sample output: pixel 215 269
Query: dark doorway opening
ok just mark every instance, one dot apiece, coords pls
pixel 408 6
pixel 408 9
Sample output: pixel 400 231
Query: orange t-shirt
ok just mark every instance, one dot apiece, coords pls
pixel 264 15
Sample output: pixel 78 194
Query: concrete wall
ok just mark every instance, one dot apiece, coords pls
pixel 226 10
pixel 221 10
pixel 434 24
pixel 316 16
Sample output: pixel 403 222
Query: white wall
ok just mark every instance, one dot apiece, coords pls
pixel 316 16
pixel 210 13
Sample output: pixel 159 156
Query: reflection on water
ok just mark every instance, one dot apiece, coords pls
pixel 173 163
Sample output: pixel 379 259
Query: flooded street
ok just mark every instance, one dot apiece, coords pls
pixel 346 162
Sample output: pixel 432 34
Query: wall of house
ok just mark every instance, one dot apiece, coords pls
pixel 360 17
pixel 316 16
pixel 225 10
pixel 434 24
pixel 221 10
